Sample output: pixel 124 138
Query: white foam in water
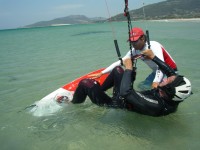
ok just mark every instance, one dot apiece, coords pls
pixel 48 105
pixel 45 108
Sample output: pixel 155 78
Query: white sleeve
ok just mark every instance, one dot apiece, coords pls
pixel 111 67
pixel 115 64
pixel 157 50
pixel 159 76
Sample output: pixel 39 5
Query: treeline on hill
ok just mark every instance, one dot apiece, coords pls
pixel 170 9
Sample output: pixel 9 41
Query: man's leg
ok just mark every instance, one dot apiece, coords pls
pixel 146 84
pixel 91 88
pixel 113 80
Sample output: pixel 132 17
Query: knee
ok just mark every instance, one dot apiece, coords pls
pixel 88 82
pixel 119 70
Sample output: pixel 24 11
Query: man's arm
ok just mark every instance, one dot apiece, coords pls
pixel 162 65
pixel 127 79
pixel 157 50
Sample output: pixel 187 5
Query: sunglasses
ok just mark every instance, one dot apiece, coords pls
pixel 135 42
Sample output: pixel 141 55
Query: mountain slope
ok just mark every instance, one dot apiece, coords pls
pixel 165 10
pixel 73 19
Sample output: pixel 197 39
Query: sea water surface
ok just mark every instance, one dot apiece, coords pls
pixel 36 61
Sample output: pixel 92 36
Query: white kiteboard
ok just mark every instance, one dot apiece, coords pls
pixel 55 101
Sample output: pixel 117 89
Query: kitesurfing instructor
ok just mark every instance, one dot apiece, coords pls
pixel 139 43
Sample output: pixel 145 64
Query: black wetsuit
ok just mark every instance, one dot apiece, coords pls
pixel 97 94
pixel 148 102
pixel 124 96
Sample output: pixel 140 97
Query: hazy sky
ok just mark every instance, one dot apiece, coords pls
pixel 17 13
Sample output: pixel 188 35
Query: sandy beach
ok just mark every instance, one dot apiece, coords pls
pixel 178 20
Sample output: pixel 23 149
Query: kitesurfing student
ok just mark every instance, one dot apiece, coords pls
pixel 156 102
pixel 159 101
pixel 139 43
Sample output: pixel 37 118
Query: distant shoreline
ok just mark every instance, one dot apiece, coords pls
pixel 153 20
pixel 60 25
pixel 177 20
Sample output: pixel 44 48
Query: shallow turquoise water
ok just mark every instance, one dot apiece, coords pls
pixel 36 61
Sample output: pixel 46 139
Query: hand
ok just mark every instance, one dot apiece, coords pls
pixel 128 64
pixel 154 85
pixel 148 53
pixel 96 75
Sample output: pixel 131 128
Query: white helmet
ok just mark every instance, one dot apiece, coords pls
pixel 183 91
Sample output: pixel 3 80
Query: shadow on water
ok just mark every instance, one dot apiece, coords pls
pixel 87 123
pixel 91 32
pixel 12 78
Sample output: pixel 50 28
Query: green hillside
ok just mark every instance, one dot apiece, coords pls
pixel 170 9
